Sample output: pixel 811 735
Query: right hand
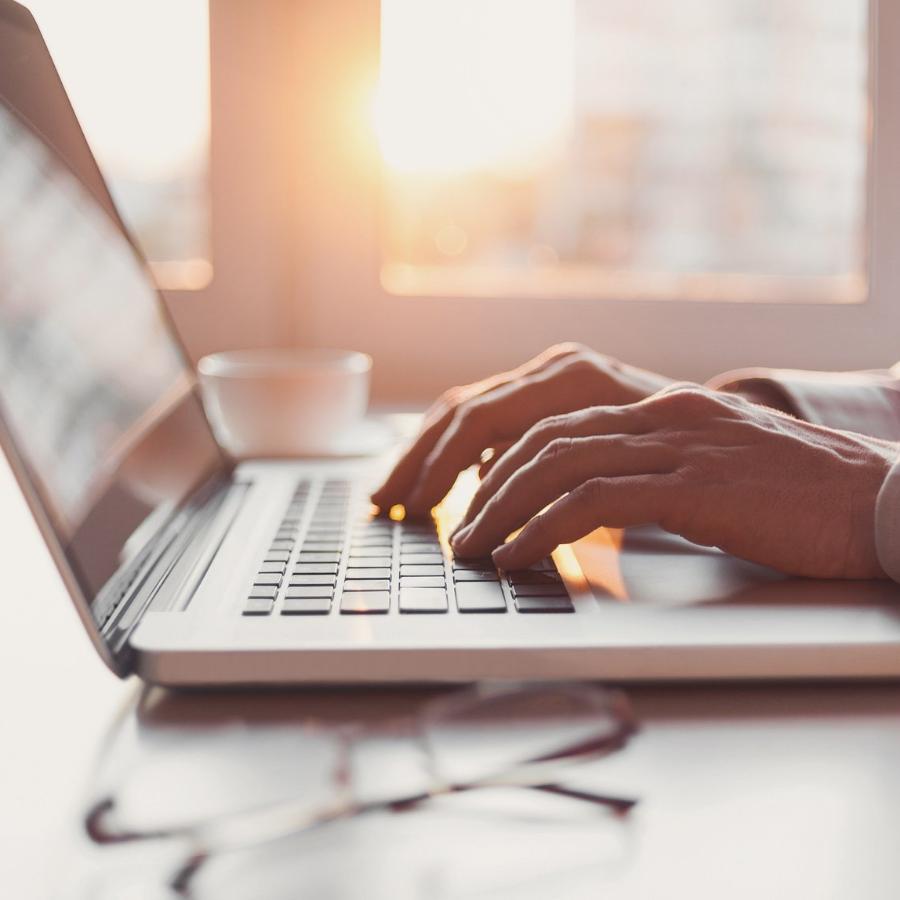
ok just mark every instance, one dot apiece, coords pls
pixel 489 416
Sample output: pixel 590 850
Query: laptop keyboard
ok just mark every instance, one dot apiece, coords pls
pixel 330 555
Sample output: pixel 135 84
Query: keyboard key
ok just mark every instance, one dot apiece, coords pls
pixel 544 605
pixel 407 571
pixel 421 559
pixel 375 526
pixel 423 600
pixel 529 576
pixel 263 591
pixel 273 578
pixel 305 580
pixel 258 606
pixel 423 581
pixel 366 535
pixel 301 591
pixel 431 547
pixel 476 575
pixel 362 602
pixel 278 567
pixel 278 555
pixel 306 606
pixel 539 590
pixel 407 537
pixel 368 584
pixel 312 557
pixel 355 574
pixel 282 545
pixel 313 546
pixel 479 597
pixel 373 540
pixel 329 536
pixel 380 550
pixel 315 569
pixel 319 532
pixel 419 526
pixel 368 562
pixel 475 565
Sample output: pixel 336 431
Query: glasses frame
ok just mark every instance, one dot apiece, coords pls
pixel 269 822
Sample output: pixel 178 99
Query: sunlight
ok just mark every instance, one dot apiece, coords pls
pixel 138 77
pixel 468 84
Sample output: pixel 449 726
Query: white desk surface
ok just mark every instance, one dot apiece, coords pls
pixel 764 791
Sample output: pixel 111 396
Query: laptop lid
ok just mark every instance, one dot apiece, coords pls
pixel 100 414
pixel 31 85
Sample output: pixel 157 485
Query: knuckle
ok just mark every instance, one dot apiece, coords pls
pixel 446 402
pixel 545 430
pixel 581 364
pixel 568 348
pixel 557 450
pixel 689 401
pixel 470 415
pixel 590 494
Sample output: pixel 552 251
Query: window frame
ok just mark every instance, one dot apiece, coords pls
pixel 295 193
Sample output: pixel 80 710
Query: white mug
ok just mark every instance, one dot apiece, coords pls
pixel 283 402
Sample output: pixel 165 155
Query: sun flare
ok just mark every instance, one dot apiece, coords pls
pixel 474 84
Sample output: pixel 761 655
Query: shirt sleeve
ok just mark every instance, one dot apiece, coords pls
pixel 864 402
pixel 887 523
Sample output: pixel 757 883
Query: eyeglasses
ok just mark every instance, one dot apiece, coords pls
pixel 488 736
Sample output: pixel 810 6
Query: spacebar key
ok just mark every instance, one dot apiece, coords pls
pixel 479 597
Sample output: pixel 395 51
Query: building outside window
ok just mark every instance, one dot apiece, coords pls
pixel 711 150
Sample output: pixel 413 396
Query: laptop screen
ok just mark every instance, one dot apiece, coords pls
pixel 95 395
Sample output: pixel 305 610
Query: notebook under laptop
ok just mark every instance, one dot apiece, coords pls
pixel 187 568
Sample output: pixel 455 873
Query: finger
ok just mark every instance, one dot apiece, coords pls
pixel 501 416
pixel 400 482
pixel 584 423
pixel 613 502
pixel 667 413
pixel 563 466
pixel 403 476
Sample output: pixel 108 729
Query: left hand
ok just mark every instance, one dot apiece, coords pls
pixel 713 468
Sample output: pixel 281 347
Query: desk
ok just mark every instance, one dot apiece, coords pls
pixel 776 792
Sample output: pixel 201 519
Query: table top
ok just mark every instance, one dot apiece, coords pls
pixel 746 791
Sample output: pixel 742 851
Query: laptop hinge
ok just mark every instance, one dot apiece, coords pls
pixel 166 574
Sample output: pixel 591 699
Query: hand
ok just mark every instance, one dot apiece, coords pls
pixel 711 467
pixel 491 415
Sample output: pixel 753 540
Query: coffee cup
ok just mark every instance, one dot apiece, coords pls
pixel 285 402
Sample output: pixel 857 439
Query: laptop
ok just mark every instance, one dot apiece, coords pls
pixel 190 568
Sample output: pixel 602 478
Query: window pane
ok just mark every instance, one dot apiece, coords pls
pixel 137 72
pixel 716 149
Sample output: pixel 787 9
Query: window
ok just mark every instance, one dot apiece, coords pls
pixel 594 148
pixel 305 222
pixel 137 73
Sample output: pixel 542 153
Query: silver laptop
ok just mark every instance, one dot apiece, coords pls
pixel 190 569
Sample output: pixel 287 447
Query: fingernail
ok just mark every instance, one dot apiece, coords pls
pixel 461 526
pixel 458 538
pixel 500 555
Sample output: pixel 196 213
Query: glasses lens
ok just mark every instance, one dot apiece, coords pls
pixel 485 733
